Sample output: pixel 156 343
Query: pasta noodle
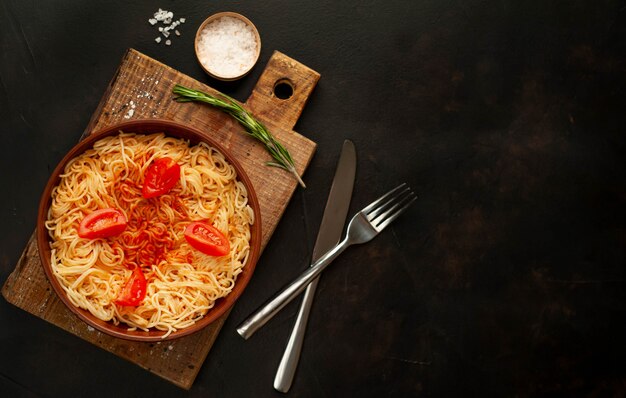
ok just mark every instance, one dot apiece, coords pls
pixel 182 283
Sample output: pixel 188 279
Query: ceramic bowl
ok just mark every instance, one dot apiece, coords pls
pixel 147 127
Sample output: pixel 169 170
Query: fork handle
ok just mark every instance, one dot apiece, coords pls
pixel 291 291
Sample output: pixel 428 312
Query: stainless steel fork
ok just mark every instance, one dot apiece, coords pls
pixel 363 227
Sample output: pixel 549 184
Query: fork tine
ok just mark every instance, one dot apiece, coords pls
pixel 384 206
pixel 385 196
pixel 387 217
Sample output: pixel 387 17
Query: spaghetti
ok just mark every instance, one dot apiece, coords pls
pixel 182 283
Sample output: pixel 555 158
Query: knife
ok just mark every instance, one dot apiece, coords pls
pixel 328 236
pixel 267 311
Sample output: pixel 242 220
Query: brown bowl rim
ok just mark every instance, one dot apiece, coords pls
pixel 173 129
pixel 213 17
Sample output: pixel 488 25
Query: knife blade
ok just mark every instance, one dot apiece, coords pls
pixel 328 236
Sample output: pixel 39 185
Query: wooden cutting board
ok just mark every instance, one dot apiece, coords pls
pixel 142 88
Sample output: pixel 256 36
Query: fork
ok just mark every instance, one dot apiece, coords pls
pixel 363 227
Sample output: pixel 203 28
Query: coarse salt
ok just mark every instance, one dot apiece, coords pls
pixel 166 18
pixel 131 110
pixel 227 47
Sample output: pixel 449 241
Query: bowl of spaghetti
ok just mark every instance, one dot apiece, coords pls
pixel 149 230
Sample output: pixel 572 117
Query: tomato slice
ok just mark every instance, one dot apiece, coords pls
pixel 160 177
pixel 134 291
pixel 207 239
pixel 102 223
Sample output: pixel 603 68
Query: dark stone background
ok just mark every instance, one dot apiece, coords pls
pixel 506 117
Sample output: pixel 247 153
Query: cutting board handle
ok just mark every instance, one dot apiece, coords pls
pixel 282 90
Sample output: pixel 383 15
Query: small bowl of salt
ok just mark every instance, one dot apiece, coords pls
pixel 227 45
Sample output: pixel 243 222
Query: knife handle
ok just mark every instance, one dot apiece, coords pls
pixel 291 291
pixel 291 356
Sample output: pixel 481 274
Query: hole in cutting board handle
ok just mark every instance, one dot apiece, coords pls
pixel 283 89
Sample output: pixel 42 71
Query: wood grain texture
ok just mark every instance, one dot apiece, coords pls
pixel 141 88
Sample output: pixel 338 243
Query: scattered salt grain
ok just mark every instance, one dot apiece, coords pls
pixel 161 15
pixel 227 47
pixel 166 18
pixel 177 32
pixel 131 110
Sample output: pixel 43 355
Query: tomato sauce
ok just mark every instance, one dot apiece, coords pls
pixel 149 237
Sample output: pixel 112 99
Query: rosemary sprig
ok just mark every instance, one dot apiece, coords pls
pixel 252 126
